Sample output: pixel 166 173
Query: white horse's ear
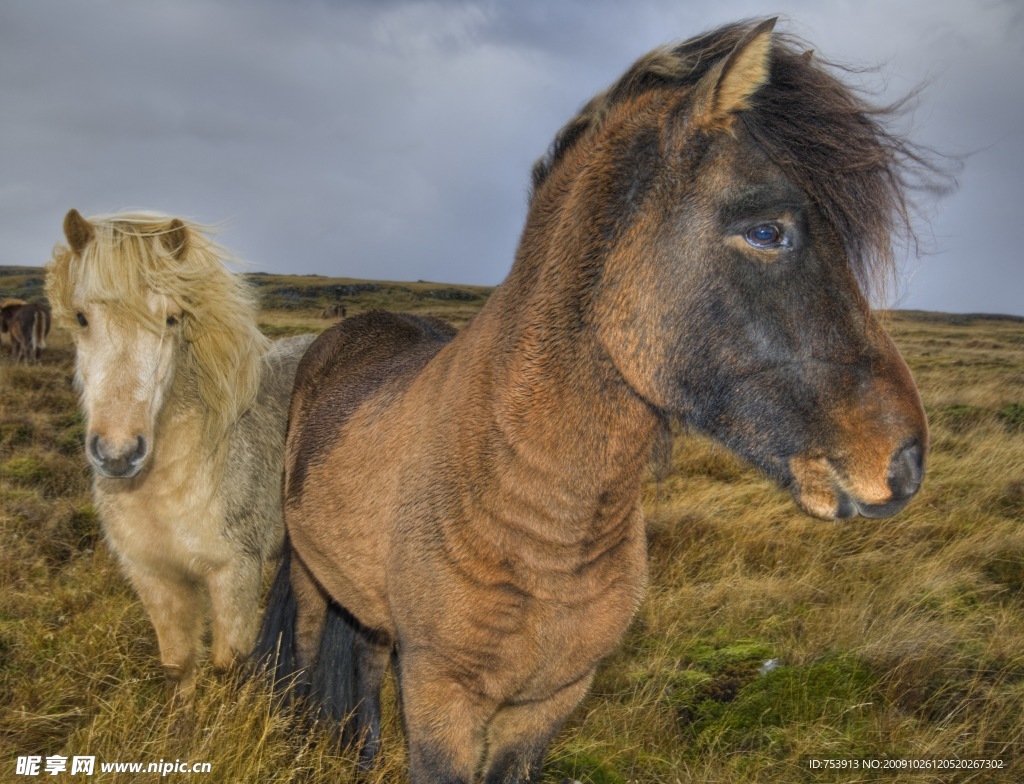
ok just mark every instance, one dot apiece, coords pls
pixel 727 88
pixel 176 239
pixel 78 231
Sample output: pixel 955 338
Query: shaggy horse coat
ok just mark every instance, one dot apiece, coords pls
pixel 472 501
pixel 185 403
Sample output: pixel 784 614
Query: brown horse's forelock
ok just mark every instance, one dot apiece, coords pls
pixel 827 138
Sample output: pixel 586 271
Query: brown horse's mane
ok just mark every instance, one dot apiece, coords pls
pixel 828 139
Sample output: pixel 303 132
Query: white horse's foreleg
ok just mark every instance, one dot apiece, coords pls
pixel 234 600
pixel 176 610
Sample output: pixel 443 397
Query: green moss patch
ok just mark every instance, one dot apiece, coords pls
pixel 758 715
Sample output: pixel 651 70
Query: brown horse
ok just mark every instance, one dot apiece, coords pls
pixel 472 501
pixel 8 307
pixel 29 325
pixel 333 312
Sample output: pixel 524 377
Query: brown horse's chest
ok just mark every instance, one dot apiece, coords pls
pixel 567 641
pixel 522 638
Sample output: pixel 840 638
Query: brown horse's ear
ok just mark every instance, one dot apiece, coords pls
pixel 726 88
pixel 78 231
pixel 176 239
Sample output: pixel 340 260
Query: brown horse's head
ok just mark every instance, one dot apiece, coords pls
pixel 728 196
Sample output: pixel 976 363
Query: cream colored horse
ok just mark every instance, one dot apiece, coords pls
pixel 186 405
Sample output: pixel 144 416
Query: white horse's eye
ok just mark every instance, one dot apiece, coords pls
pixel 172 321
pixel 82 320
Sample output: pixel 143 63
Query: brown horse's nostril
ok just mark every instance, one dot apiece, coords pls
pixel 906 470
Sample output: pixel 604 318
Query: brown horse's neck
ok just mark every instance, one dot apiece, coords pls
pixel 563 440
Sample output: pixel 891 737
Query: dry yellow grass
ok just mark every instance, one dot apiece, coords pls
pixel 900 639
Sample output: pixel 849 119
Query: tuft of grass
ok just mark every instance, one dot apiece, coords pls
pixel 16 432
pixel 51 473
pixel 1012 416
pixel 25 471
pixel 958 417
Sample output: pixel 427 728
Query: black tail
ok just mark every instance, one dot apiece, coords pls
pixel 274 652
pixel 331 685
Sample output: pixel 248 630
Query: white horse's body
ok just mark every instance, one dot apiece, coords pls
pixel 186 404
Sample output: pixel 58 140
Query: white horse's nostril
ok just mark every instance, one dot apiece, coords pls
pixel 140 451
pixel 93 448
pixel 117 463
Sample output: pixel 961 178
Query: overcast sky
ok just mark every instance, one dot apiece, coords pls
pixel 393 140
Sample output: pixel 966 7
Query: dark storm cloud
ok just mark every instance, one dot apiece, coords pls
pixel 394 139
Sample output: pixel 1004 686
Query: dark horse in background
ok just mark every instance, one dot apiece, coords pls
pixel 8 307
pixel 692 250
pixel 28 325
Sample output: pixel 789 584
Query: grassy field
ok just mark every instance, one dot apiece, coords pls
pixel 768 640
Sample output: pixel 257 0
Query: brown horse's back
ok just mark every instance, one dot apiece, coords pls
pixel 347 364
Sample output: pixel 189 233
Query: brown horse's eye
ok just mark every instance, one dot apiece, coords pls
pixel 82 320
pixel 765 236
pixel 172 321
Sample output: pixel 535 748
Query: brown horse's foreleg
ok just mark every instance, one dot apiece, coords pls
pixel 518 736
pixel 444 722
pixel 176 610
pixel 234 596
pixel 310 614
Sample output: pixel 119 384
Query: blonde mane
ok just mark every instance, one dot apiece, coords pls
pixel 129 259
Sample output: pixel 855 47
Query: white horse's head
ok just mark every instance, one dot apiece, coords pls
pixel 149 303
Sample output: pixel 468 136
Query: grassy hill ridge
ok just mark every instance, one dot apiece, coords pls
pixel 292 292
pixel 297 292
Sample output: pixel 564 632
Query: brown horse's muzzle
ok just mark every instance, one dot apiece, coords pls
pixel 873 462
pixel 828 488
